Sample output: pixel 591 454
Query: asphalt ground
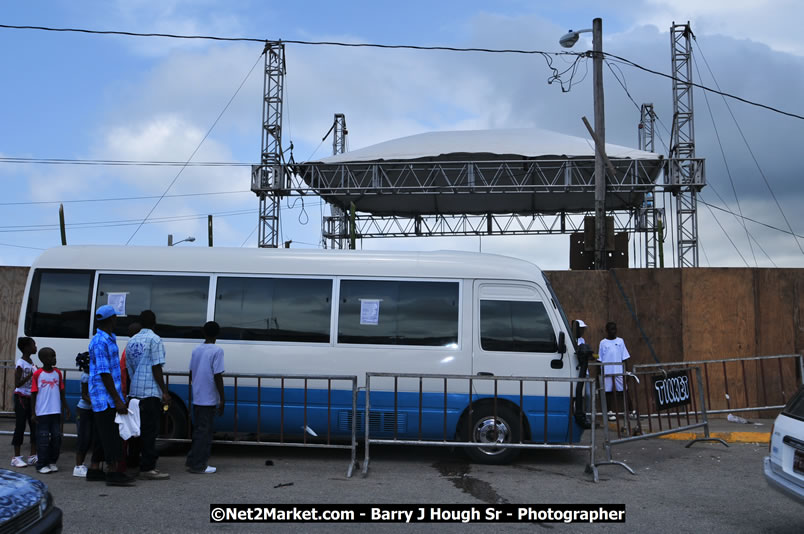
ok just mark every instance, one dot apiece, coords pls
pixel 706 488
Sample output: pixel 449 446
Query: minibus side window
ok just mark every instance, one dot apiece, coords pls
pixel 274 309
pixel 179 302
pixel 391 312
pixel 515 326
pixel 58 304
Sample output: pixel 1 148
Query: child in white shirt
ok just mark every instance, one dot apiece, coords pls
pixel 47 396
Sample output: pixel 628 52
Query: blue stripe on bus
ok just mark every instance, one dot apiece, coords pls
pixel 337 424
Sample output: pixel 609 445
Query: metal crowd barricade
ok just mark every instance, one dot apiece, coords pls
pixel 447 439
pixel 740 400
pixel 639 407
pixel 236 381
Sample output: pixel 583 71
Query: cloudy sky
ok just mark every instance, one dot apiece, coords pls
pixel 88 97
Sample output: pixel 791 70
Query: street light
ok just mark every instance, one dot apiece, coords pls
pixel 189 239
pixel 568 41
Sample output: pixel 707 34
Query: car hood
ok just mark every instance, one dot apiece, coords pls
pixel 18 492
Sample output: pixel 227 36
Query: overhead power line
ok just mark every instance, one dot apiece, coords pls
pixel 121 162
pixel 546 55
pixel 705 88
pixel 116 223
pixel 197 148
pixel 752 220
pixel 119 199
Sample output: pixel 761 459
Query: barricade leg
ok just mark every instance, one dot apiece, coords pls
pixel 366 425
pixel 353 462
pixel 606 438
pixel 591 466
pixel 704 415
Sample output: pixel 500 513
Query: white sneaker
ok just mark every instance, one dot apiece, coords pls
pixel 17 461
pixel 53 468
pixel 80 471
pixel 45 470
pixel 209 470
pixel 32 459
pixel 612 416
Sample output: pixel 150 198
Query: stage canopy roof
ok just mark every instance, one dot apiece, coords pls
pixel 480 171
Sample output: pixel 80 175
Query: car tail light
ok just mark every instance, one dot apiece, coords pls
pixel 770 441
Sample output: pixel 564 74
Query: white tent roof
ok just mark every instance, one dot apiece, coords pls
pixel 523 142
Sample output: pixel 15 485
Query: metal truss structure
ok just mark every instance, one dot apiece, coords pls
pixel 647 128
pixel 649 217
pixel 685 176
pixel 371 226
pixel 269 180
pixel 338 239
pixel 462 187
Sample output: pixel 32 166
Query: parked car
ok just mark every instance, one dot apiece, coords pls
pixel 784 468
pixel 26 505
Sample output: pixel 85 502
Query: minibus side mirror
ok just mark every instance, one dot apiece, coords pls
pixel 562 348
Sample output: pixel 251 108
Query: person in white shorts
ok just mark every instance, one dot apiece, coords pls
pixel 612 351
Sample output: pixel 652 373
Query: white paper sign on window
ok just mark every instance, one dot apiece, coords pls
pixel 118 302
pixel 370 311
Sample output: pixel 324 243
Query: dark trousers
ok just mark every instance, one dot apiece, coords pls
pixel 48 439
pixel 203 417
pixel 150 418
pixel 23 412
pixel 108 437
pixel 87 435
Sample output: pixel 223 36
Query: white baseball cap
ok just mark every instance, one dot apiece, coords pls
pixel 581 323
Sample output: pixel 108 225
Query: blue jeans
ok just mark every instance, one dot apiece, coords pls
pixel 203 417
pixel 48 439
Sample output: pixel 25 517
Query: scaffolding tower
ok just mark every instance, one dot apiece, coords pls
pixel 339 218
pixel 649 218
pixel 686 172
pixel 269 179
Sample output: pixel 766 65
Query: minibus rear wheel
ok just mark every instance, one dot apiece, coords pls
pixel 175 424
pixel 486 429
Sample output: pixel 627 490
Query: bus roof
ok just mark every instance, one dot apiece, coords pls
pixel 440 264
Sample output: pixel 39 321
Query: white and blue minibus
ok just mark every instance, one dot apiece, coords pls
pixel 328 312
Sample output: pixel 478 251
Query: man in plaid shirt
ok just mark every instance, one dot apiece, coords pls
pixel 104 393
pixel 145 356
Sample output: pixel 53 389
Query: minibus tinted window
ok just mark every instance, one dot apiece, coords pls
pixel 515 326
pixel 274 309
pixel 389 312
pixel 58 304
pixel 179 302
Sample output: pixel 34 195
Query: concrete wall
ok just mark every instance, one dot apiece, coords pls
pixel 688 315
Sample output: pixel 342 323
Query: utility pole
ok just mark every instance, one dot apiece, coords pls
pixel 62 226
pixel 600 133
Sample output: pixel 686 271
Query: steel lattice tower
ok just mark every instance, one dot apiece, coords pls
pixel 649 215
pixel 685 173
pixel 339 133
pixel 269 180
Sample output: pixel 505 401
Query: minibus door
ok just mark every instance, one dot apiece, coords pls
pixel 517 333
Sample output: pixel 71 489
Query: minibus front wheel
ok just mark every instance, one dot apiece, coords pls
pixel 491 430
